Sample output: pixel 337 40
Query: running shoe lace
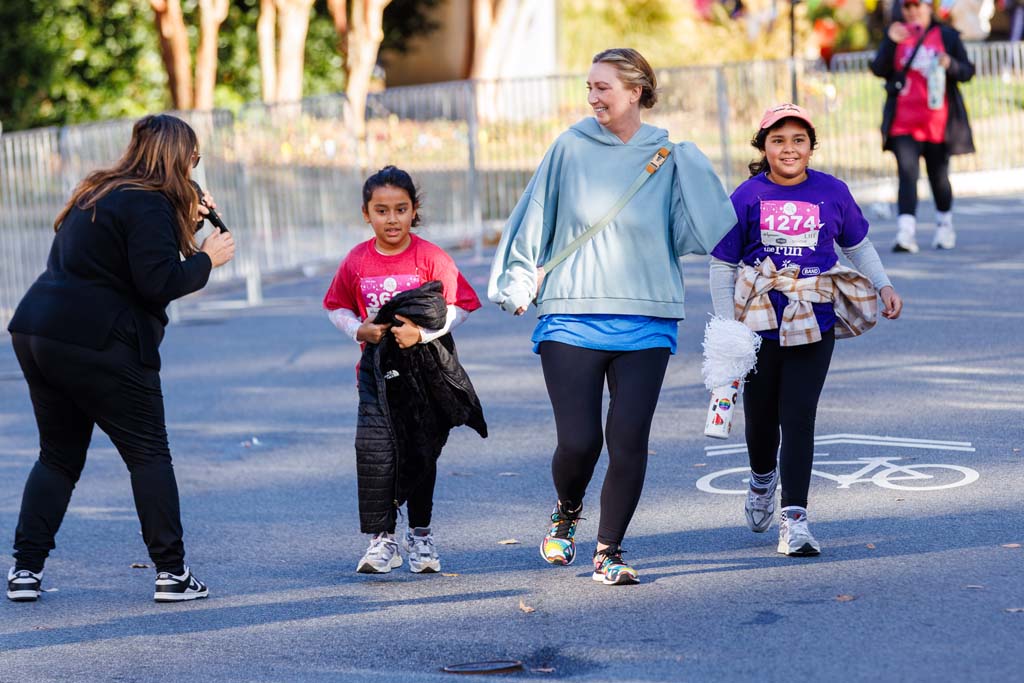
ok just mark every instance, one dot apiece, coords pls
pixel 563 524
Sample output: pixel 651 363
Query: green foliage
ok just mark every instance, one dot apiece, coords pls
pixel 67 61
pixel 72 61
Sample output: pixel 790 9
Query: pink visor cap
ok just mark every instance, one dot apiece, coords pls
pixel 773 115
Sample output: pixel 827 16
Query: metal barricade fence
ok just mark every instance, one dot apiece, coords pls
pixel 288 177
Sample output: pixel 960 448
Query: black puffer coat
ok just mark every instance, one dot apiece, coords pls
pixel 409 399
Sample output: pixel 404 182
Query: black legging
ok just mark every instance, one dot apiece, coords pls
pixel 575 380
pixel 74 388
pixel 783 394
pixel 908 153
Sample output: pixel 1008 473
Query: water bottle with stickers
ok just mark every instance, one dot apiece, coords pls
pixel 936 84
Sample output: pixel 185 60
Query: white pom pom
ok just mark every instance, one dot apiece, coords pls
pixel 730 352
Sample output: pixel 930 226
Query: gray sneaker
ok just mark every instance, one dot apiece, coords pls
pixel 419 544
pixel 381 557
pixel 795 537
pixel 760 507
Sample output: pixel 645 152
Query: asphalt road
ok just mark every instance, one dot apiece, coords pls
pixel 911 584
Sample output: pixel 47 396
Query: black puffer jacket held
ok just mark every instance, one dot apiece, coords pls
pixel 409 399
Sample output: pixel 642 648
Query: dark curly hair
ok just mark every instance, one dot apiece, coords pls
pixel 761 165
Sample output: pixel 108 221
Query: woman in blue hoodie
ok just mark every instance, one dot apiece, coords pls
pixel 609 310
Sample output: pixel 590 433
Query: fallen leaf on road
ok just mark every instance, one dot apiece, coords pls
pixel 845 598
pixel 543 670
pixel 1016 450
pixel 525 608
pixel 509 541
pixel 701 464
pixel 973 585
pixel 460 474
pixel 508 474
pixel 870 546
pixel 901 499
pixel 1011 545
pixel 139 565
pixel 1014 609
pixel 449 575
pixel 651 452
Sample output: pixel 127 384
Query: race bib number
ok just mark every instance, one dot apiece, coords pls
pixel 377 291
pixel 789 224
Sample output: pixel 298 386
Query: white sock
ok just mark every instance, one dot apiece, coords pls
pixel 944 219
pixel 794 512
pixel 762 482
pixel 907 222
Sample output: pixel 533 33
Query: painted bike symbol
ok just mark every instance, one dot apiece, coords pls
pixel 880 471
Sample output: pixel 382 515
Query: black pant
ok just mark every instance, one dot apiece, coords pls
pixel 783 395
pixel 74 388
pixel 420 504
pixel 575 380
pixel 908 153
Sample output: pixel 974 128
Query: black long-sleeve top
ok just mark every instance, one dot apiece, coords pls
pixel 116 265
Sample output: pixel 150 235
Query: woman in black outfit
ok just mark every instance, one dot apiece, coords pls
pixel 86 336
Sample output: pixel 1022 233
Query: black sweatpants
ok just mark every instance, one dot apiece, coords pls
pixel 420 505
pixel 908 153
pixel 72 389
pixel 575 380
pixel 782 395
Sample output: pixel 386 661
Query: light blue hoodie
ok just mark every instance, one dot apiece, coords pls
pixel 631 267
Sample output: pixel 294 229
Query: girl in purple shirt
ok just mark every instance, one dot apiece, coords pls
pixel 793 216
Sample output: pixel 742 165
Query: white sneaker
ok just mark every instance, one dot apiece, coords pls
pixel 794 535
pixel 419 544
pixel 906 228
pixel 760 507
pixel 945 237
pixel 172 588
pixel 381 557
pixel 23 585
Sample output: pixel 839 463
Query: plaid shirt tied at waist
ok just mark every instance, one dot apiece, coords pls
pixel 851 294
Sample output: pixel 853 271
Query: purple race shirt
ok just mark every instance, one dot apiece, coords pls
pixel 793 225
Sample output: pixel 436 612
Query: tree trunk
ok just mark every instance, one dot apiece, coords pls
pixel 492 24
pixel 212 14
pixel 364 37
pixel 339 13
pixel 170 25
pixel 266 34
pixel 293 16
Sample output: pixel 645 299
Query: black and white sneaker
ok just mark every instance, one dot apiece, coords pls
pixel 23 585
pixel 171 588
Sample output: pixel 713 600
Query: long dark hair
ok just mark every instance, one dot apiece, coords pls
pixel 159 158
pixel 758 141
pixel 395 177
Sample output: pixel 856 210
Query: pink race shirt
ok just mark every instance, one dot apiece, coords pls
pixel 367 279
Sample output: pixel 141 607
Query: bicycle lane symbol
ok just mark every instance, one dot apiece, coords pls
pixel 884 471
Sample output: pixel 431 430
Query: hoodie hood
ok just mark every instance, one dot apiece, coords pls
pixel 647 135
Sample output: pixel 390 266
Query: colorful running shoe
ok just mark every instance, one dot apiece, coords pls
pixel 559 546
pixel 611 570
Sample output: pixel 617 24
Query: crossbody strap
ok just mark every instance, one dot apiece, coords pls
pixel 650 169
pixel 910 61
